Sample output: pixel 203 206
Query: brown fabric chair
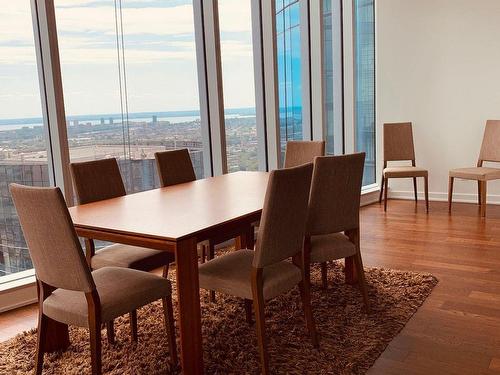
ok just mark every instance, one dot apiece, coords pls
pixel 398 146
pixel 98 180
pixel 490 151
pixel 265 273
pixel 332 230
pixel 302 152
pixel 175 167
pixel 68 292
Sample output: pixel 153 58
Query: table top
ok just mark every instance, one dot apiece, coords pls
pixel 179 211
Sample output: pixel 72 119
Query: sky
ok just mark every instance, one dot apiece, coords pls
pixel 158 56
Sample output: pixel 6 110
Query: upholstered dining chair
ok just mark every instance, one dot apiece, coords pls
pixel 302 152
pixel 490 151
pixel 98 180
pixel 68 292
pixel 175 167
pixel 332 230
pixel 265 273
pixel 398 146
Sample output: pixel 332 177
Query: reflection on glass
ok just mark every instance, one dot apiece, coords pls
pixel 235 23
pixel 130 83
pixel 289 71
pixel 365 84
pixel 23 153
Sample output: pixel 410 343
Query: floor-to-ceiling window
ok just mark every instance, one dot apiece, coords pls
pixel 130 83
pixel 289 70
pixel 364 64
pixel 23 152
pixel 235 24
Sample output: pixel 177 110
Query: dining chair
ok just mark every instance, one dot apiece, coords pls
pixel 490 152
pixel 265 273
pixel 302 152
pixel 398 146
pixel 332 230
pixel 175 167
pixel 98 180
pixel 68 292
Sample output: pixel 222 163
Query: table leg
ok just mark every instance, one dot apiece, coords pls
pixel 188 295
pixel 246 239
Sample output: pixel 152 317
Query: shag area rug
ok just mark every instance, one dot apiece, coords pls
pixel 350 340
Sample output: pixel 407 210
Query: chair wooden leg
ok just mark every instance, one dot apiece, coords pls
pixel 168 313
pixel 95 345
pixel 450 193
pixel 415 188
pixel 426 186
pixel 110 331
pixel 248 311
pixel 479 193
pixel 165 271
pixel 305 295
pixel 324 275
pixel 133 325
pixel 258 306
pixel 362 280
pixel 42 333
pixel 386 186
pixel 381 190
pixel 483 199
pixel 211 255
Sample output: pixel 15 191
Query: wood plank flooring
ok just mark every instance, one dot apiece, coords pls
pixel 457 330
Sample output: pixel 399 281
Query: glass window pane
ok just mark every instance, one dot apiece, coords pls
pixel 235 23
pixel 365 84
pixel 23 152
pixel 289 72
pixel 328 67
pixel 130 83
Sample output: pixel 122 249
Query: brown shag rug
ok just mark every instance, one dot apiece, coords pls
pixel 350 341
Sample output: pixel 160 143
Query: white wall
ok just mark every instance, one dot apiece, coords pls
pixel 438 65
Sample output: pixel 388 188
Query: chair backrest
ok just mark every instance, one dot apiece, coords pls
pixel 174 167
pixel 51 238
pixel 398 141
pixel 490 148
pixel 97 180
pixel 302 152
pixel 284 215
pixel 335 194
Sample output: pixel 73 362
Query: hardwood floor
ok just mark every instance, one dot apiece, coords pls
pixel 457 330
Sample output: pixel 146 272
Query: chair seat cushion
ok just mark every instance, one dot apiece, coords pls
pixel 138 258
pixel 476 173
pixel 121 290
pixel 231 274
pixel 333 246
pixel 406 171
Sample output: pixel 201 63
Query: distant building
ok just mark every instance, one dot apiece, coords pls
pixel 138 175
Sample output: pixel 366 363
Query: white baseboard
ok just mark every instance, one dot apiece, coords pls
pixel 442 197
pixel 17 297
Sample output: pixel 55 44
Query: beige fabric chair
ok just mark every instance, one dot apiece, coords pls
pixel 265 273
pixel 398 146
pixel 68 292
pixel 98 180
pixel 175 167
pixel 490 151
pixel 333 223
pixel 302 152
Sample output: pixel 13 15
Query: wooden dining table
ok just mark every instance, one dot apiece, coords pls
pixel 176 219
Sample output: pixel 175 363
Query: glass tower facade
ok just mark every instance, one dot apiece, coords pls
pixel 289 71
pixel 364 45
